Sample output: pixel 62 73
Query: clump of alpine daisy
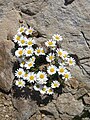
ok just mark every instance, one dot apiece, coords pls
pixel 44 71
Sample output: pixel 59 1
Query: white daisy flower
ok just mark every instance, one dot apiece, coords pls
pixel 61 70
pixel 50 57
pixel 22 64
pixel 65 55
pixel 49 91
pixel 52 69
pixel 31 77
pixel 60 52
pixel 30 42
pixel 41 77
pixel 32 58
pixel 29 64
pixel 39 51
pixel 25 76
pixel 19 52
pixel 62 63
pixel 29 51
pixel 37 87
pixel 20 83
pixel 19 73
pixel 71 61
pixel 29 31
pixel 22 41
pixel 55 84
pixel 21 30
pixel 42 52
pixel 43 89
pixel 66 76
pixel 50 43
pixel 57 37
pixel 16 38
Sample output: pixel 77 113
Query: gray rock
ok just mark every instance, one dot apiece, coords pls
pixel 49 17
pixel 80 93
pixel 86 118
pixel 65 117
pixel 50 109
pixel 25 108
pixel 67 104
pixel 6 66
pixel 86 100
pixel 9 24
pixel 74 83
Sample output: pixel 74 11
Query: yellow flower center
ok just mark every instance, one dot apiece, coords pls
pixel 20 72
pixel 25 75
pixel 55 84
pixel 22 29
pixel 30 31
pixel 33 59
pixel 22 41
pixel 70 61
pixel 29 51
pixel 38 51
pixel 20 52
pixel 66 75
pixel 50 90
pixel 60 53
pixel 30 43
pixel 57 37
pixel 61 70
pixel 41 76
pixel 65 56
pixel 52 70
pixel 44 89
pixel 20 83
pixel 50 57
pixel 42 51
pixel 18 38
pixel 50 43
pixel 23 62
pixel 30 64
pixel 31 77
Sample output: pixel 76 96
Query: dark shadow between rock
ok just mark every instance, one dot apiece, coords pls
pixel 28 93
pixel 67 2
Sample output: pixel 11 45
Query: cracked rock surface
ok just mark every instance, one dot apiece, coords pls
pixel 71 19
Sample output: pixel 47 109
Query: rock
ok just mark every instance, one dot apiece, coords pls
pixel 36 116
pixel 80 76
pixel 25 108
pixel 80 93
pixel 49 17
pixel 48 118
pixel 67 89
pixel 6 66
pixel 50 110
pixel 87 87
pixel 67 104
pixel 9 25
pixel 89 94
pixel 86 100
pixel 86 118
pixel 65 117
pixel 74 83
pixel 6 107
